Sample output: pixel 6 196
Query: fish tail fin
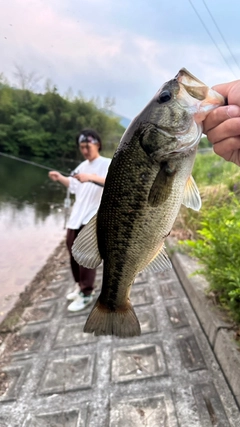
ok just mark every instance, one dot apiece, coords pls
pixel 121 322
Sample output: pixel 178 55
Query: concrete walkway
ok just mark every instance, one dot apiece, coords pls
pixel 167 377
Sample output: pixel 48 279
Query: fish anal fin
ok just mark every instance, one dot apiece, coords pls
pixel 85 247
pixel 122 322
pixel 160 262
pixel 192 198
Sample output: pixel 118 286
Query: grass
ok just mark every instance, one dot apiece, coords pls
pixel 214 232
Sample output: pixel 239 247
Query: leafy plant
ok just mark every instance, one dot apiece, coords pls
pixel 217 247
pixel 210 169
pixel 217 180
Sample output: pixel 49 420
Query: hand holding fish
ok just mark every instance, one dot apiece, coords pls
pixel 222 126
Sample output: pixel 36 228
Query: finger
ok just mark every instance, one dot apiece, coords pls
pixel 224 88
pixel 226 147
pixel 228 129
pixel 219 115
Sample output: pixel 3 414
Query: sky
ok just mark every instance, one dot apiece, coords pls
pixel 120 49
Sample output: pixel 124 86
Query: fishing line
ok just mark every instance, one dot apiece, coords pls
pixel 67 200
pixel 31 163
pixel 42 166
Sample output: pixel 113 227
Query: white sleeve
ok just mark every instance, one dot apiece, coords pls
pixel 73 183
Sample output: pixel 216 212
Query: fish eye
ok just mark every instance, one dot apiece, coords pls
pixel 164 96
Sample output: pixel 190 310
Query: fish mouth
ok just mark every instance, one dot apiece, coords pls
pixel 193 102
pixel 212 101
pixel 188 79
pixel 196 97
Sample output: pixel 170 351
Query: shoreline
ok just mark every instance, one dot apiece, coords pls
pixel 9 321
pixel 24 253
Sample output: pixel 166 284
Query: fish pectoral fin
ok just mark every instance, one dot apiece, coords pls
pixel 121 322
pixel 161 262
pixel 85 247
pixel 192 198
pixel 162 185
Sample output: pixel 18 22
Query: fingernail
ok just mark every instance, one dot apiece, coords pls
pixel 233 111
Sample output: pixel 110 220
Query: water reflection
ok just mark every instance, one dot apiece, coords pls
pixel 31 222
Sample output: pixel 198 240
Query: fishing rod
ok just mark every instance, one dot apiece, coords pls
pixel 31 163
pixel 67 200
pixel 42 166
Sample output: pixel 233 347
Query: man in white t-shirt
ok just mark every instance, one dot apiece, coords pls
pixel 87 184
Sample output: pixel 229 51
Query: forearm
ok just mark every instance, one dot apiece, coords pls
pixel 64 180
pixel 90 177
pixel 96 179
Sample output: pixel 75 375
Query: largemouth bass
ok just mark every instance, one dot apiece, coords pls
pixel 148 180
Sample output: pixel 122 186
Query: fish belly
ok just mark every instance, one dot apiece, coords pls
pixel 130 233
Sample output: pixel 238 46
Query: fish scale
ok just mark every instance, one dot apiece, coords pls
pixel 148 180
pixel 134 214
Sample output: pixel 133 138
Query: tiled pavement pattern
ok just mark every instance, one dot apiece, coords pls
pixel 167 377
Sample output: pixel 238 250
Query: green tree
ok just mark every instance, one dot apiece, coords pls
pixel 45 125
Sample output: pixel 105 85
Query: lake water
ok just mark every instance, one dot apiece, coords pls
pixel 32 220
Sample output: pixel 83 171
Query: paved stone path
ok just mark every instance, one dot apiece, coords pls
pixel 167 377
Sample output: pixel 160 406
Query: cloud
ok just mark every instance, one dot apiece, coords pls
pixel 99 58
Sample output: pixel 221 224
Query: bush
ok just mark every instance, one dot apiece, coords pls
pixel 216 180
pixel 210 169
pixel 218 250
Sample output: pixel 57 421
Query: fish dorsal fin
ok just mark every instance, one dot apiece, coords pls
pixel 161 262
pixel 191 198
pixel 85 247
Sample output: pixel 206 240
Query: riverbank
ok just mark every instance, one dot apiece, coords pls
pixel 24 252
pixel 32 218
pixel 37 289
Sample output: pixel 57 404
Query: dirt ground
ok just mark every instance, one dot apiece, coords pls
pixel 10 340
